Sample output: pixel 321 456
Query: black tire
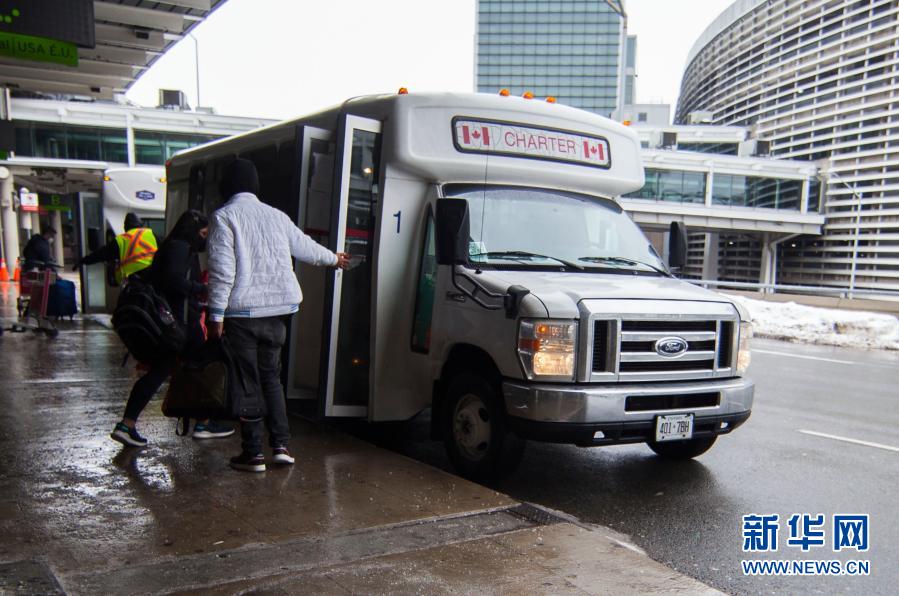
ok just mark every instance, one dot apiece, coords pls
pixel 474 429
pixel 680 450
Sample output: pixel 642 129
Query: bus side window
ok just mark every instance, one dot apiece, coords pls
pixel 424 296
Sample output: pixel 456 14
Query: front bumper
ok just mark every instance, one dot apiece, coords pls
pixel 623 413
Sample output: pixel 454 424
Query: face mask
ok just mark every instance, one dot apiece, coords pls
pixel 200 245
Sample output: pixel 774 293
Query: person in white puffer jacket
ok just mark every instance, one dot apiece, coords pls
pixel 252 291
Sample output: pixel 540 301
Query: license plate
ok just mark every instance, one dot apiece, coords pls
pixel 677 427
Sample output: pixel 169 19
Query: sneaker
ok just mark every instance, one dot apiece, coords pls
pixel 127 436
pixel 280 455
pixel 248 463
pixel 212 430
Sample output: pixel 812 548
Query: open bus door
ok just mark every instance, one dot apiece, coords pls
pixel 330 337
pixel 349 357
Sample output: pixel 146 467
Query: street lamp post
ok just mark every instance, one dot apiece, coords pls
pixel 858 217
pixel 196 65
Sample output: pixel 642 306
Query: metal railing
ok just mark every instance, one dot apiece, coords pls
pixel 889 295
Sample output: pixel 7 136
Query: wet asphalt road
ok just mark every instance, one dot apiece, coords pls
pixel 688 515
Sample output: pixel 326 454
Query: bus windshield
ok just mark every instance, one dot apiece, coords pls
pixel 533 227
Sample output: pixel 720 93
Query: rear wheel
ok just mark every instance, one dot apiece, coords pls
pixel 475 434
pixel 678 450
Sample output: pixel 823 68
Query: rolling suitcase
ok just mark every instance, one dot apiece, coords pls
pixel 61 299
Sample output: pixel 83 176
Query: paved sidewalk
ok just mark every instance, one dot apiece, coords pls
pixel 80 514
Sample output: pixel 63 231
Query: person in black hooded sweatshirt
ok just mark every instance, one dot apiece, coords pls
pixel 175 274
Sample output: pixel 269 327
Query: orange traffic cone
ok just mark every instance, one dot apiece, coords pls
pixel 4 272
pixel 16 274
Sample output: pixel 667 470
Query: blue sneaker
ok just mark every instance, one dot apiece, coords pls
pixel 128 437
pixel 212 430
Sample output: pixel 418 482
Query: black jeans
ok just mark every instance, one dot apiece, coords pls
pixel 147 386
pixel 256 347
pixel 160 369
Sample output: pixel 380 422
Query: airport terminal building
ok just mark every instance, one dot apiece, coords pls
pixel 817 80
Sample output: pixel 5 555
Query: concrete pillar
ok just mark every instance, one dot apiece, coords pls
pixel 803 201
pixel 10 224
pixel 56 222
pixel 766 272
pixel 710 256
pixel 129 139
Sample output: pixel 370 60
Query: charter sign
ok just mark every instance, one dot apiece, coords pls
pixel 513 140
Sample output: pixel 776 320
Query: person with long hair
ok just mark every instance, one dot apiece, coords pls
pixel 175 274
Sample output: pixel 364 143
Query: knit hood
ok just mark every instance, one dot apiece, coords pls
pixel 240 176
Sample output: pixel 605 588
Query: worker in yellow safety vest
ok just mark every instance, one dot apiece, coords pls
pixel 130 252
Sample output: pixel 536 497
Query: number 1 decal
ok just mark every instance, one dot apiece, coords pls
pixel 398 215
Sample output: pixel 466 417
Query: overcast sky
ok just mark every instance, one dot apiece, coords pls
pixel 285 58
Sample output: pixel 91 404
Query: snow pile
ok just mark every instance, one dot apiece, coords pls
pixel 808 324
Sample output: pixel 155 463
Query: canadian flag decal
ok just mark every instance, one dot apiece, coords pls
pixel 594 150
pixel 475 135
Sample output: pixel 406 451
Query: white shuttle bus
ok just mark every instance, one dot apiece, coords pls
pixel 137 189
pixel 496 279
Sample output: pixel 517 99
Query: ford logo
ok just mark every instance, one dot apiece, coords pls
pixel 671 346
pixel 145 195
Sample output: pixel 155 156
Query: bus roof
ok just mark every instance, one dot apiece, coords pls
pixel 483 138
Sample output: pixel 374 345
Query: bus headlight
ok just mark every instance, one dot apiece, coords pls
pixel 548 349
pixel 743 355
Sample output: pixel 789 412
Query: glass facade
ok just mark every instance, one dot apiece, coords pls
pixel 63 141
pixel 60 141
pixel 672 185
pixel 152 147
pixel 568 50
pixel 753 191
pixel 681 186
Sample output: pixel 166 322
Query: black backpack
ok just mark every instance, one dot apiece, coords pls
pixel 144 322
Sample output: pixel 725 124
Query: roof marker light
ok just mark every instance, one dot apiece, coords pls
pixel 504 92
pixel 626 122
pixel 403 91
pixel 528 95
pixel 107 179
pixel 550 99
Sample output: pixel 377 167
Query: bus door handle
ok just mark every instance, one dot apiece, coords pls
pixel 455 296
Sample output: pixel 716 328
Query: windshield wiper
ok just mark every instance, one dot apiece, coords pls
pixel 526 255
pixel 625 261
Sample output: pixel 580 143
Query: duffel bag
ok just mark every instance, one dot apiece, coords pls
pixel 210 385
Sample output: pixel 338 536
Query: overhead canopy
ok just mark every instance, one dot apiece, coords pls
pixel 129 36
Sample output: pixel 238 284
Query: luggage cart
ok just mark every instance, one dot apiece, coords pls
pixel 34 291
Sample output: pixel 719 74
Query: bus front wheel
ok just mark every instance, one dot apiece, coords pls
pixel 475 435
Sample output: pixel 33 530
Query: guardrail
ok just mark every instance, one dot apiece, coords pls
pixel 889 295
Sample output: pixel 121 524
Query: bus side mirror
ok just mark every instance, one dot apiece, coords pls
pixel 453 232
pixel 677 245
